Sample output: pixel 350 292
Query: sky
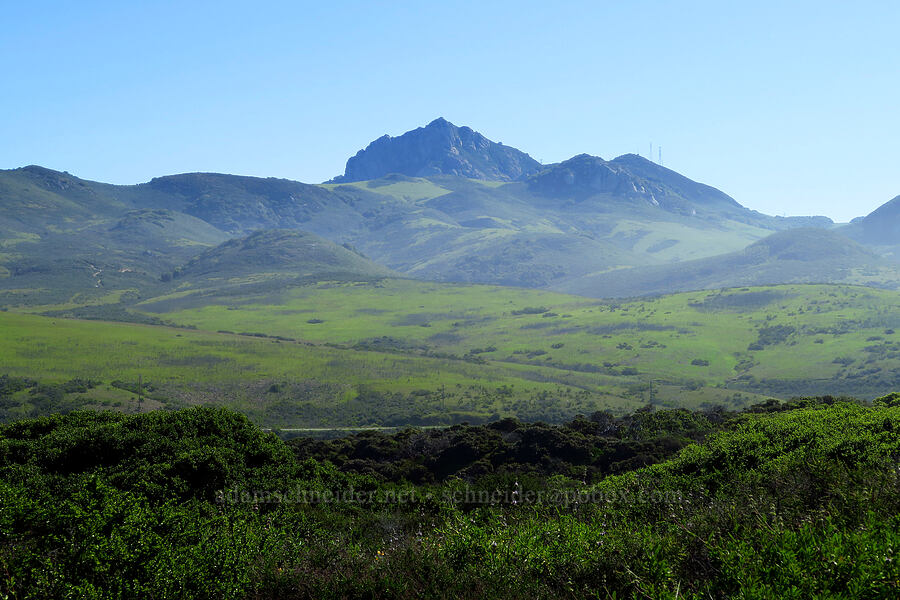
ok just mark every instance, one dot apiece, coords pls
pixel 789 107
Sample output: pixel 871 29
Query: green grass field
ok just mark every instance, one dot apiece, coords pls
pixel 395 352
pixel 783 333
pixel 285 383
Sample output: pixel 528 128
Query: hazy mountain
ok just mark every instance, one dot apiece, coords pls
pixel 628 178
pixel 795 256
pixel 879 229
pixel 485 213
pixel 62 236
pixel 240 205
pixel 439 148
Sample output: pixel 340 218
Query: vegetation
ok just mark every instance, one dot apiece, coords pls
pixel 173 413
pixel 398 352
pixel 787 500
pixel 805 255
pixel 61 236
pixel 779 340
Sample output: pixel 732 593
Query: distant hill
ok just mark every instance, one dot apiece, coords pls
pixel 795 256
pixel 440 202
pixel 240 205
pixel 64 239
pixel 161 230
pixel 34 198
pixel 879 229
pixel 439 148
pixel 628 178
pixel 278 251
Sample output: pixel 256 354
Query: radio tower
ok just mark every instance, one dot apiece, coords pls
pixel 659 148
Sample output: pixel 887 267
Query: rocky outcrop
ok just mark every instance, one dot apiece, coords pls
pixel 440 148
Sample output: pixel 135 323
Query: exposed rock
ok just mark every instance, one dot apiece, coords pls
pixel 440 148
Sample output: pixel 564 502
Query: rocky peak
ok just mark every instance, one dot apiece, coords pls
pixel 439 148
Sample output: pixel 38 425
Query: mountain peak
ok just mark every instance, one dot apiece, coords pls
pixel 439 148
pixel 440 122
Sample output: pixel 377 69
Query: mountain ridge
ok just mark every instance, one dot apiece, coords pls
pixel 520 224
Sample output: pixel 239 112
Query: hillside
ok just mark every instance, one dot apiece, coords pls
pixel 880 229
pixel 794 256
pixel 279 253
pixel 489 215
pixel 772 340
pixel 445 228
pixel 628 179
pixel 439 148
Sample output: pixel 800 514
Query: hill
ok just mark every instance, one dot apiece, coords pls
pixel 794 256
pixel 439 148
pixel 629 178
pixel 880 229
pixel 278 253
pixel 489 215
pixel 446 228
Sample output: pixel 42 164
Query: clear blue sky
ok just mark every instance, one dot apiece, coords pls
pixel 790 107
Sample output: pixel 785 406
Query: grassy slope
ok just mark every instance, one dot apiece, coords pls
pixel 313 384
pixel 437 349
pixel 659 337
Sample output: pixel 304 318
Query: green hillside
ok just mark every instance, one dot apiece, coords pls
pixel 497 217
pixel 794 256
pixel 58 365
pixel 276 254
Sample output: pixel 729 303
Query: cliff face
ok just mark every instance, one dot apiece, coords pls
pixel 440 148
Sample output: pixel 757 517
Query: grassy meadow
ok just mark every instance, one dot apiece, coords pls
pixel 736 338
pixel 279 382
pixel 395 352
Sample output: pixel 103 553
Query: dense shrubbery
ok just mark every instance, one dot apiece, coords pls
pixel 585 449
pixel 797 500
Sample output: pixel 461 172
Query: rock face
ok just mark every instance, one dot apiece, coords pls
pixel 440 148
